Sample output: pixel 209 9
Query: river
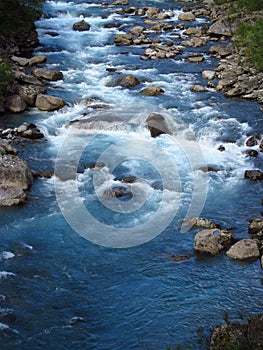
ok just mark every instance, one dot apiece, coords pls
pixel 80 269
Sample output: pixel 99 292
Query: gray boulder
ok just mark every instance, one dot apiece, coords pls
pixel 29 93
pixel 128 81
pixel 49 103
pixel 81 26
pixel 15 180
pixel 212 241
pixel 186 16
pixel 48 74
pixel 201 222
pixel 220 27
pixel 15 104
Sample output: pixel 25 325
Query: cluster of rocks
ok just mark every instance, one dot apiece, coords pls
pixel 28 86
pixel 15 176
pixel 212 240
pixel 232 76
pixel 25 130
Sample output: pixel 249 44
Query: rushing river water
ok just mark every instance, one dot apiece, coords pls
pixel 80 269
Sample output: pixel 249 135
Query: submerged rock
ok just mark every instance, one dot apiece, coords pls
pixel 244 250
pixel 212 241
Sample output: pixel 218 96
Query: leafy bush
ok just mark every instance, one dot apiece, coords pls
pixel 18 16
pixel 5 75
pixel 250 37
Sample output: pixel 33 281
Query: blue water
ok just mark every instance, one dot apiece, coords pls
pixel 70 282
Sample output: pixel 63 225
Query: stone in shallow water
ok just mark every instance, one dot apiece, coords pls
pixel 244 250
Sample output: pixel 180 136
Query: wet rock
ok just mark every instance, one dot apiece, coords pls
pixel 212 241
pixel 15 180
pixel 201 222
pixel 118 192
pixel 123 39
pixel 127 180
pixel 51 75
pixel 198 88
pixel 49 103
pixel 15 104
pixel 251 141
pixel 30 131
pixel 128 81
pixel 208 74
pixel 47 174
pixel 196 58
pixel 156 51
pixel 195 31
pixel 81 26
pixel 229 336
pixel 254 175
pixel 252 153
pixel 121 2
pixel 221 148
pixel 178 258
pixel 152 91
pixel 255 226
pixel 157 125
pixel 244 250
pixel 186 16
pixel 29 93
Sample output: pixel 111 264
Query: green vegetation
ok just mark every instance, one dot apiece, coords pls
pixel 5 75
pixel 18 16
pixel 248 36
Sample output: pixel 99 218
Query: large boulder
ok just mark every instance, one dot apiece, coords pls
pixel 48 74
pixel 152 91
pixel 128 81
pixel 81 26
pixel 157 125
pixel 212 241
pixel 220 27
pixel 15 180
pixel 29 93
pixel 37 60
pixel 26 78
pixel 49 103
pixel 244 250
pixel 15 104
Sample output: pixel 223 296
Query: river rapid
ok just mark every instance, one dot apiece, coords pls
pixel 80 269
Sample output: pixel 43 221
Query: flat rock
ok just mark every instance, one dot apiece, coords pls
pixel 186 16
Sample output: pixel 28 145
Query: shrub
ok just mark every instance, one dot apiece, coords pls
pixel 5 75
pixel 18 16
